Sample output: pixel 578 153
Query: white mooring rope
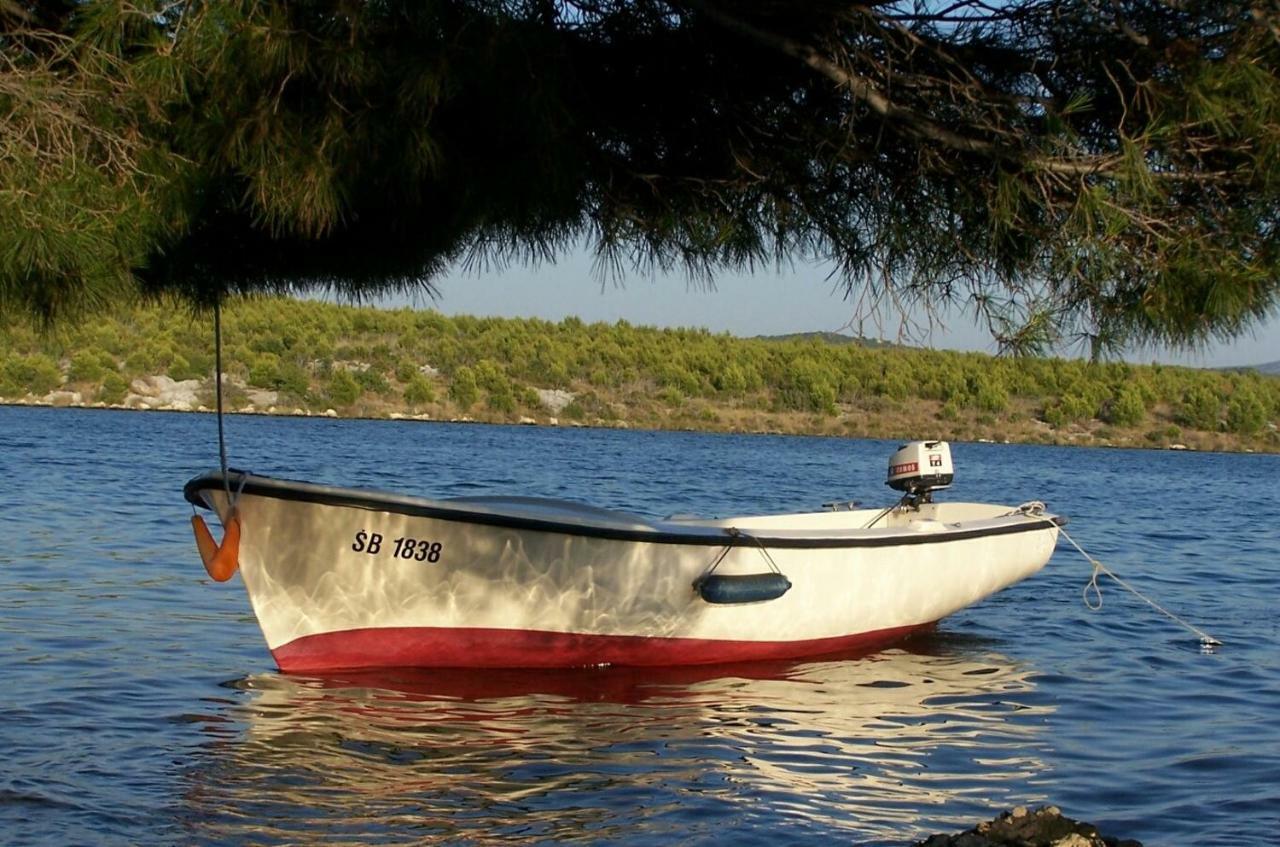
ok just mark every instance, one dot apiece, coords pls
pixel 1092 589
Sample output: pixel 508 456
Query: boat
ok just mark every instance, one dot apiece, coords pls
pixel 350 578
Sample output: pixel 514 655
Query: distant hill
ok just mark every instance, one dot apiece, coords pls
pixel 1270 368
pixel 831 338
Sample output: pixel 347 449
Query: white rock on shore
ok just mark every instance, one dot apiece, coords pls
pixel 63 398
pixel 161 392
pixel 262 398
pixel 555 399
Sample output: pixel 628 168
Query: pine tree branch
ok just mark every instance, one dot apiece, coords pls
pixel 915 124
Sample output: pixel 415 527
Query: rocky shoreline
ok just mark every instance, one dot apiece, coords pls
pixel 1023 827
pixel 551 406
pixel 163 394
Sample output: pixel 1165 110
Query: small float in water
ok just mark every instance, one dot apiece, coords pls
pixel 344 578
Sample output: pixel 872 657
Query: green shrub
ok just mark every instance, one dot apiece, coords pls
pixel 419 391
pixel 85 367
pixel 1070 408
pixel 342 389
pixel 35 374
pixel 1079 408
pixel 822 397
pixel 1126 407
pixel 731 380
pixel 142 362
pixel 895 385
pixel 671 375
pixel 501 401
pixel 1245 414
pixel 294 379
pixel 382 358
pixel 952 386
pixel 180 368
pixel 463 390
pixel 556 375
pixel 808 387
pixel 371 379
pixel 405 371
pixel 987 392
pixel 489 376
pixel 8 385
pixel 992 398
pixel 265 372
pixel 1200 408
pixel 266 343
pixel 113 389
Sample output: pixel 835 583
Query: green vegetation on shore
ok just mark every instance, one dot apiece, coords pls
pixel 288 355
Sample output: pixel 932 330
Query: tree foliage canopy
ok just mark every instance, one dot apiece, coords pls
pixel 1104 167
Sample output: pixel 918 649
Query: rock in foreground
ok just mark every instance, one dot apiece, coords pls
pixel 1044 827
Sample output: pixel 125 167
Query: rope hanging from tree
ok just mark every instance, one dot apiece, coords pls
pixel 221 560
pixel 217 373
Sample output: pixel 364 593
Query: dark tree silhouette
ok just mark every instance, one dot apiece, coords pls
pixel 1108 168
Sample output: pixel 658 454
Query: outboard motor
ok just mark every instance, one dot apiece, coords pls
pixel 920 468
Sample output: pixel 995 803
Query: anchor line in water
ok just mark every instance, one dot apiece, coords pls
pixel 1205 638
pixel 1035 509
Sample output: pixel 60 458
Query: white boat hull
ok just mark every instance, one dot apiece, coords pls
pixel 340 578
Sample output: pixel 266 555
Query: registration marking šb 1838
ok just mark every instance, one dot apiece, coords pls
pixel 417 549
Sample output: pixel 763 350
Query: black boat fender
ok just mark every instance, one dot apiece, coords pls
pixel 742 588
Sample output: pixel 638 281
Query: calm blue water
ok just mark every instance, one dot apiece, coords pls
pixel 138 704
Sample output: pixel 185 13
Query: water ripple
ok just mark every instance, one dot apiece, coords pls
pixel 139 705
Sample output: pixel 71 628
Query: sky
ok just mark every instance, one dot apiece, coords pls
pixel 766 303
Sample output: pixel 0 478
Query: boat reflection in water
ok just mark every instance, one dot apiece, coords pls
pixel 865 748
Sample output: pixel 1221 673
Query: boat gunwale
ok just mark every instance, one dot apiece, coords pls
pixel 643 531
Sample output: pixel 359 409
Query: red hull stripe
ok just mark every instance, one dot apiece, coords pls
pixel 408 647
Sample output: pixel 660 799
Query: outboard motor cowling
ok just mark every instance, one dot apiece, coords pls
pixel 920 467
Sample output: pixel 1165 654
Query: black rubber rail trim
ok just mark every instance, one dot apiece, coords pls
pixel 326 495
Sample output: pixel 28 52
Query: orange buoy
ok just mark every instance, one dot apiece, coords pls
pixel 220 560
